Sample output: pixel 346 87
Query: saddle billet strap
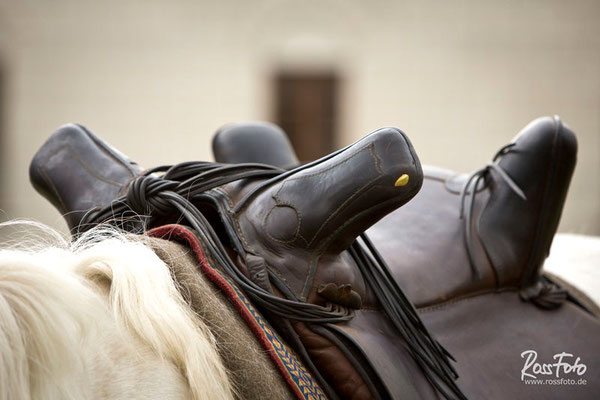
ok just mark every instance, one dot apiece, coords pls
pixel 174 194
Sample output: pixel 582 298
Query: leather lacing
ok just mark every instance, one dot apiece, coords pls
pixel 543 293
pixel 476 178
pixel 151 197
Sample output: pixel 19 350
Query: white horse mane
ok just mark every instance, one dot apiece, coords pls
pixel 99 318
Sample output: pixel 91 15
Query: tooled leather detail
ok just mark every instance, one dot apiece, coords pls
pixel 255 271
pixel 349 200
pixel 267 268
pixel 335 213
pixel 311 266
pixel 378 161
pixel 235 218
pixel 311 271
pixel 90 170
pixel 296 235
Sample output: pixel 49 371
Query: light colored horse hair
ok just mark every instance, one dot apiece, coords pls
pixel 99 318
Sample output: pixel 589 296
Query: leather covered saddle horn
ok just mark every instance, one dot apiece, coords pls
pixel 254 142
pixel 77 171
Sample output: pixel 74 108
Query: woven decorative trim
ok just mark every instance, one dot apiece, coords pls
pixel 298 379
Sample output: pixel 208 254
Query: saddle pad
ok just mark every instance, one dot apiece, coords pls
pixel 298 379
pixel 249 367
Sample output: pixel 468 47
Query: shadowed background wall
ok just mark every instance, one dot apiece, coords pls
pixel 156 78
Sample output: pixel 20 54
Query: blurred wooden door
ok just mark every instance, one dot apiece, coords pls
pixel 306 109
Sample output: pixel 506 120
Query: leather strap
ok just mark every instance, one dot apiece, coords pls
pixel 184 185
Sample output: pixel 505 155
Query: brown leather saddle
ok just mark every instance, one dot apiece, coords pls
pixel 467 250
pixel 462 233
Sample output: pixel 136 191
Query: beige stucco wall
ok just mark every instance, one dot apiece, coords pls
pixel 157 78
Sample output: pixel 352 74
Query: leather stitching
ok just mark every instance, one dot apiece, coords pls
pixel 89 169
pixel 108 150
pixel 347 201
pixel 226 195
pixel 343 161
pixel 471 297
pixel 235 220
pixel 378 161
pixel 314 262
pixel 298 215
pixel 356 193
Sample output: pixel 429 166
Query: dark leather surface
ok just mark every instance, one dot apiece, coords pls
pixel 261 142
pixel 424 243
pixel 511 236
pixel 373 334
pixel 309 217
pixel 300 226
pixel 295 228
pixel 542 164
pixel 488 333
pixel 77 171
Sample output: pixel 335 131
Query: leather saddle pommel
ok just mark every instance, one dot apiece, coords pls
pixel 76 171
pixel 324 205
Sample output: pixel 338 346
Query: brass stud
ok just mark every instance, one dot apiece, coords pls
pixel 403 180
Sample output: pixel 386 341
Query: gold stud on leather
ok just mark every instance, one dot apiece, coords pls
pixel 403 180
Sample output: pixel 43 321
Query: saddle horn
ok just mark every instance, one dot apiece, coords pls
pixel 76 171
pixel 254 142
pixel 326 204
